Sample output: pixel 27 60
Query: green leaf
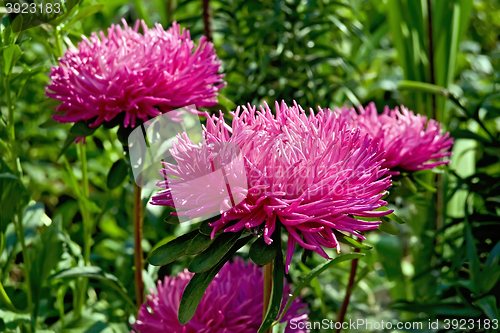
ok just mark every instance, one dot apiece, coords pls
pixel 494 256
pixel 11 55
pixel 199 243
pixel 17 25
pixel 6 175
pixel 385 226
pixel 472 257
pixel 174 249
pixel 45 253
pixel 205 228
pixel 395 218
pixel 117 174
pixel 351 241
pixel 277 289
pixel 82 13
pixel 197 286
pixel 314 273
pixel 91 206
pixel 69 140
pixel 49 123
pixel 13 196
pixel 261 253
pixel 215 252
pixel 82 129
pixel 5 300
pixel 423 87
pixel 466 134
pixel 489 306
pixel 424 185
pixel 93 272
pixel 7 34
pixel 407 183
pixel 226 102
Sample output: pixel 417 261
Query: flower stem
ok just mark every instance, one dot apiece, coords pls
pixel 18 217
pixel 431 56
pixel 268 286
pixel 207 31
pixel 59 45
pixel 138 255
pixel 345 304
pixel 27 267
pixel 87 223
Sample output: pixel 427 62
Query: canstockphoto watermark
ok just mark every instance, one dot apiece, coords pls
pixel 213 178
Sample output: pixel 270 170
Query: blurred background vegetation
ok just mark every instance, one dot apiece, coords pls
pixel 443 263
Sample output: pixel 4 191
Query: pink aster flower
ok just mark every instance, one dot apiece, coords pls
pixel 313 174
pixel 140 74
pixel 233 303
pixel 410 141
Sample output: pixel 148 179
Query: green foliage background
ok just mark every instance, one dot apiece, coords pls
pixel 443 263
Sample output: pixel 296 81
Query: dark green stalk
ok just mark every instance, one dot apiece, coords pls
pixel 439 178
pixel 87 225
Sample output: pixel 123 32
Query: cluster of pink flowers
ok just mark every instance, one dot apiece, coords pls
pixel 140 75
pixel 311 173
pixel 233 303
pixel 410 141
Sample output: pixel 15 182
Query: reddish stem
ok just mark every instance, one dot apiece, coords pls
pixel 268 285
pixel 206 20
pixel 350 285
pixel 138 254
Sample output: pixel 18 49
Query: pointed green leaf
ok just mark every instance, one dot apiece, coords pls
pixel 82 13
pixel 261 253
pixel 407 183
pixel 467 134
pixel 215 252
pixel 205 228
pixel 472 257
pixel 489 306
pixel 424 185
pixel 93 272
pixel 351 241
pixel 226 102
pixel 49 123
pixel 11 55
pixel 422 86
pixel 82 129
pixel 174 249
pixel 385 226
pixel 117 174
pixel 69 140
pixel 199 243
pixel 391 216
pixel 494 256
pixel 197 286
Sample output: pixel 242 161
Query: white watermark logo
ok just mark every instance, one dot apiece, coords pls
pixel 204 179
